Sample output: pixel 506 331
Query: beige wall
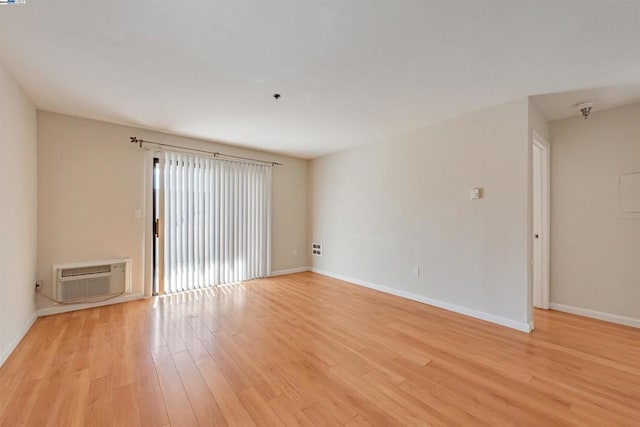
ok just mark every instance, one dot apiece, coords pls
pixel 18 211
pixel 595 248
pixel 91 179
pixel 384 208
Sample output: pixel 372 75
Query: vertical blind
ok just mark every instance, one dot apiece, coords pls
pixel 217 217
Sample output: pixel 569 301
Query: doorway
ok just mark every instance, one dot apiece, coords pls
pixel 541 186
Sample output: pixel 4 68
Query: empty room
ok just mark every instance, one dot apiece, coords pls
pixel 319 213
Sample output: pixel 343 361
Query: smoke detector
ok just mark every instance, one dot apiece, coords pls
pixel 585 108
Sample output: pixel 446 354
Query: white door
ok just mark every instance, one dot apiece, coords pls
pixel 540 223
pixel 537 228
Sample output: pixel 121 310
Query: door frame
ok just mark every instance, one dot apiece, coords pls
pixel 157 225
pixel 545 164
pixel 150 253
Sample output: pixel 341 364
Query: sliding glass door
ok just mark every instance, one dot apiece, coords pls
pixel 213 222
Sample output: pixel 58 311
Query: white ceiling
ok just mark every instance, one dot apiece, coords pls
pixel 349 72
pixel 564 104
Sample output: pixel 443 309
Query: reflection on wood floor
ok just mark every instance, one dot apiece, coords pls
pixel 305 349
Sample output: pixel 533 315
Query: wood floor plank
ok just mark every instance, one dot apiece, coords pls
pixel 358 421
pixel 151 405
pixel 100 402
pixel 125 409
pixel 48 402
pixel 320 415
pixel 259 410
pixel 305 349
pixel 236 355
pixel 236 370
pixel 12 381
pixel 76 393
pixel 202 401
pixel 23 401
pixel 177 402
pixel 233 410
pixel 289 412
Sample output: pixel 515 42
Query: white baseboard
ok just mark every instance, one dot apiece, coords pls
pixel 12 346
pixel 520 326
pixel 289 271
pixel 63 308
pixel 608 317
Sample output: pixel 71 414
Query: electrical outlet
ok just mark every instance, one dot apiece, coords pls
pixel 316 249
pixel 416 271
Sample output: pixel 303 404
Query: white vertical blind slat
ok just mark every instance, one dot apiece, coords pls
pixel 216 221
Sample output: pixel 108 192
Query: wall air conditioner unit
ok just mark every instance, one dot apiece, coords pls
pixel 87 281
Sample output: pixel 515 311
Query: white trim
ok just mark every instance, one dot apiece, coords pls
pixel 545 148
pixel 63 308
pixel 520 326
pixel 289 271
pixel 12 346
pixel 607 317
pixel 147 220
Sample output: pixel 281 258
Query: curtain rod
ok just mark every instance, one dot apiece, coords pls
pixel 139 141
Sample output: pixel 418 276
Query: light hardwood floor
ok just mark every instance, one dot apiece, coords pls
pixel 305 349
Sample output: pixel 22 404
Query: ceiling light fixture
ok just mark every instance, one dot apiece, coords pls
pixel 585 108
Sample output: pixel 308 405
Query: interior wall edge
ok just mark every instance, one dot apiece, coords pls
pixel 289 271
pixel 466 311
pixel 18 211
pixel 13 344
pixel 65 308
pixel 594 314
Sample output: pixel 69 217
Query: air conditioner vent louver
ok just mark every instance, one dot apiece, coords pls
pixel 86 288
pixel 87 281
pixel 81 271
